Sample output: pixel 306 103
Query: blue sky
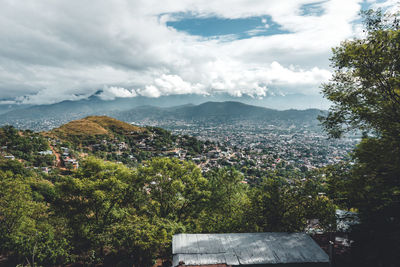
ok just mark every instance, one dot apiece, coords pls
pixel 276 49
pixel 212 26
pixel 239 28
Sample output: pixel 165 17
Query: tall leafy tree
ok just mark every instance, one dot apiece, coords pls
pixel 176 189
pixel 365 88
pixel 139 240
pixel 98 196
pixel 279 206
pixel 126 216
pixel 365 91
pixel 28 232
pixel 226 206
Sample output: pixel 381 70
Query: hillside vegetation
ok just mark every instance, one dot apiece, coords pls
pixel 101 192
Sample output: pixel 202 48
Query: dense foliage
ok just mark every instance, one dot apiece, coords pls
pixel 25 145
pixel 365 90
pixel 106 213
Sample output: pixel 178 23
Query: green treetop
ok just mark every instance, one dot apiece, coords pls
pixel 365 91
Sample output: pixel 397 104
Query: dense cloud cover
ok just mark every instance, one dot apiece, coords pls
pixel 56 50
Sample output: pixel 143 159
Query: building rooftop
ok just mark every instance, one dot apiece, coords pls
pixel 246 249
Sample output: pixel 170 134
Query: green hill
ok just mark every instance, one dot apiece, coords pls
pixel 93 126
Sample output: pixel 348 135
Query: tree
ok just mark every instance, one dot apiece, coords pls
pixel 138 240
pixel 176 189
pixel 279 206
pixel 119 217
pixel 338 178
pixel 13 166
pixel 226 206
pixel 365 91
pixel 28 232
pixel 97 197
pixel 365 88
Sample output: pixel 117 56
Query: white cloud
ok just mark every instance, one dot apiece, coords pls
pixel 171 85
pixel 110 93
pixel 66 50
pixel 7 102
pixel 224 76
pixel 49 96
pixel 150 91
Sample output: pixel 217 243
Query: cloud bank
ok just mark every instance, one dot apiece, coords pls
pixel 57 50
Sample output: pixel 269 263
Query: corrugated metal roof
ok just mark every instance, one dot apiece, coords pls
pixel 246 249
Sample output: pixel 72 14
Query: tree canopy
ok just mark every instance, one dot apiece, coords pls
pixel 365 91
pixel 365 88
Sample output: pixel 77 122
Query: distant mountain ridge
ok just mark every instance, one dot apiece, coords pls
pixel 45 117
pixel 93 105
pixel 228 111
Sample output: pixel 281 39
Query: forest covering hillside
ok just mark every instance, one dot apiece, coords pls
pixel 103 212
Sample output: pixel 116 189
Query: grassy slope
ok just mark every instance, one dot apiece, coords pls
pixel 93 126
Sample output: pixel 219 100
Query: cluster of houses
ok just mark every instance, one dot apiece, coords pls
pixel 115 143
pixel 8 156
pixel 296 145
pixel 69 162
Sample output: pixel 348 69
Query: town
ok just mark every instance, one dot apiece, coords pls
pixel 253 149
pixel 262 146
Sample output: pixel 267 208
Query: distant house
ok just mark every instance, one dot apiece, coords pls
pixel 46 152
pixel 122 146
pixel 247 249
pixel 45 169
pixel 11 157
pixel 71 163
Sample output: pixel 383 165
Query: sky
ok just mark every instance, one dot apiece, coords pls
pixel 52 51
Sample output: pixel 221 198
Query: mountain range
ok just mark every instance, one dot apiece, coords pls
pixel 219 112
pixel 45 117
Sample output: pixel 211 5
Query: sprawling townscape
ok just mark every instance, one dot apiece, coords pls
pixel 253 148
pixel 263 145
